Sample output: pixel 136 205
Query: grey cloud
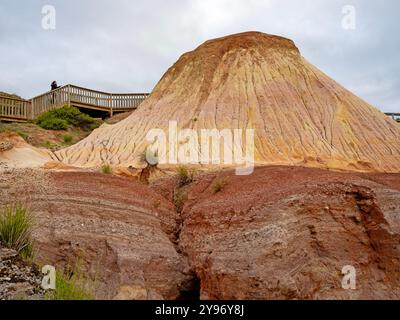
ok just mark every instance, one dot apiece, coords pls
pixel 126 45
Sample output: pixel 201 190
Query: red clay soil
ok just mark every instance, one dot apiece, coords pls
pixel 286 233
pixel 115 229
pixel 282 232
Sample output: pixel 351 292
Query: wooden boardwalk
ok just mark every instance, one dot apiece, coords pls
pixel 13 109
pixel 394 116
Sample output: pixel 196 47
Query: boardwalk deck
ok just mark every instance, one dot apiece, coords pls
pixel 12 109
pixel 394 116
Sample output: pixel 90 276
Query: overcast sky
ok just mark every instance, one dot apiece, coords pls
pixel 126 46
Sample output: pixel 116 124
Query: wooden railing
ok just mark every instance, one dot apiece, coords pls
pixel 70 95
pixel 14 109
pixel 394 116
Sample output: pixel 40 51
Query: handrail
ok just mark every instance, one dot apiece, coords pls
pixel 14 108
pixel 14 99
pixel 91 90
pixel 47 92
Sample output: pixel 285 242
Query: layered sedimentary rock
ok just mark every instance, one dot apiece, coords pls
pixel 289 233
pixel 117 232
pixel 254 81
pixel 283 232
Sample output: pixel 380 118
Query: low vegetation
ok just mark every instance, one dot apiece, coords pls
pixel 23 135
pixel 185 176
pixel 71 286
pixel 16 224
pixel 219 185
pixel 66 117
pixel 42 138
pixel 54 130
pixel 16 229
pixel 67 138
pixel 106 169
pixel 180 197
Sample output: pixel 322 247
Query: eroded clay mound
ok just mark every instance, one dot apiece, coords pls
pixel 16 153
pixel 261 82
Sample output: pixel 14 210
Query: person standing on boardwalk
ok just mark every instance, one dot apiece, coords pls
pixel 53 86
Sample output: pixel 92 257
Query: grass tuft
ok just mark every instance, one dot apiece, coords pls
pixel 106 169
pixel 180 197
pixel 67 138
pixel 185 177
pixel 16 229
pixel 23 135
pixel 70 286
pixel 219 185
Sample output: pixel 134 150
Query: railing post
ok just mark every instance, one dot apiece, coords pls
pixel 111 106
pixel 69 95
pixel 30 110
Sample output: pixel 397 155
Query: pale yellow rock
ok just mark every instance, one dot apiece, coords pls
pixel 16 153
pixel 132 292
pixel 261 82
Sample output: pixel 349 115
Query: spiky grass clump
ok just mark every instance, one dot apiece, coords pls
pixel 106 169
pixel 185 176
pixel 16 229
pixel 219 185
pixel 180 197
pixel 70 286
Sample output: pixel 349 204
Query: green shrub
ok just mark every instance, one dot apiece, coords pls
pixel 218 185
pixel 184 176
pixel 70 116
pixel 67 138
pixel 53 124
pixel 16 229
pixel 106 169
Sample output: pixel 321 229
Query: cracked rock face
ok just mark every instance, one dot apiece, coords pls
pixel 287 233
pixel 281 233
pixel 115 229
pixel 254 81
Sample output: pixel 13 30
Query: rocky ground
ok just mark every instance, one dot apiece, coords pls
pixel 18 278
pixel 283 232
pixel 286 233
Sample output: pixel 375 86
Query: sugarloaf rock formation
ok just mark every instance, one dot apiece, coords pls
pixel 254 81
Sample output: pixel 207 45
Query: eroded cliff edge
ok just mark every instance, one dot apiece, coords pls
pixel 283 232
